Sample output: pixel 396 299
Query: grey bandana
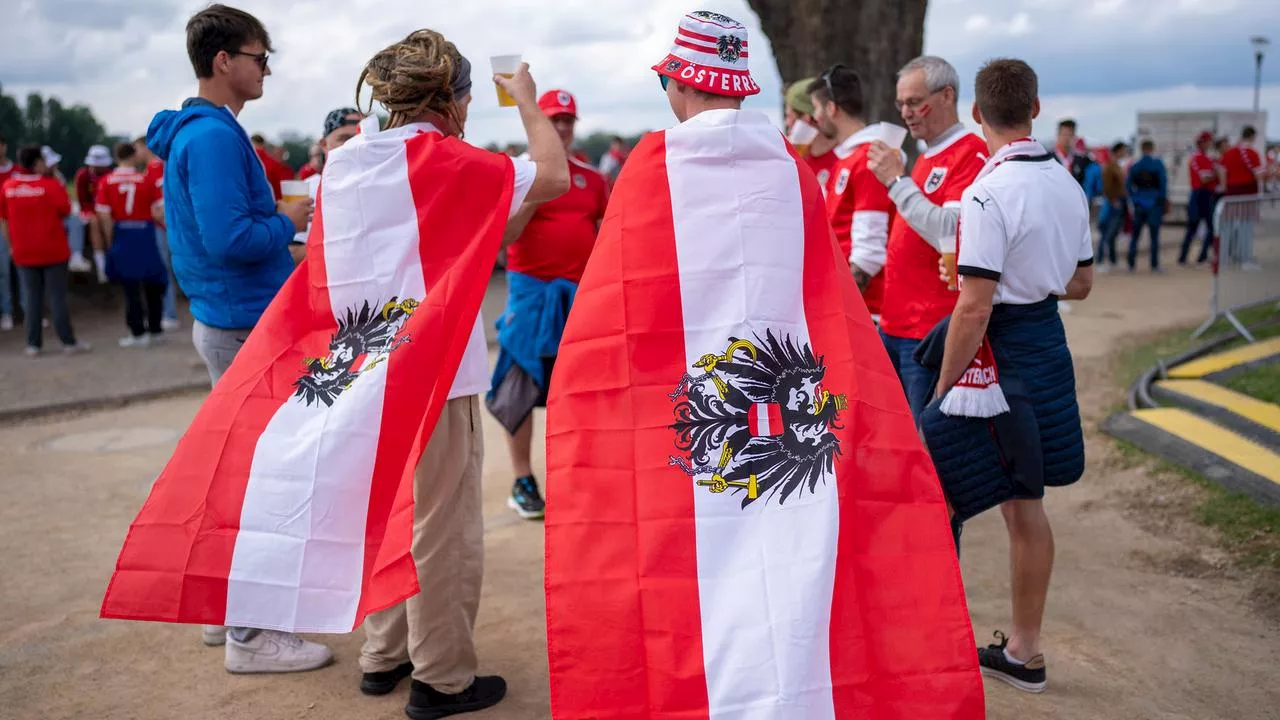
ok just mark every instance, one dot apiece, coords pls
pixel 461 81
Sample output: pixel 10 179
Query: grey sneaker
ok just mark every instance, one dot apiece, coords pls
pixel 6 322
pixel 135 341
pixel 273 651
pixel 32 351
pixel 214 635
pixel 77 349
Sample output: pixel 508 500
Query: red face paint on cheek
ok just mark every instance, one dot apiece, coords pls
pixel 925 110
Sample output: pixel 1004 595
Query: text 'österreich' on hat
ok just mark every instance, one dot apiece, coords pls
pixel 710 54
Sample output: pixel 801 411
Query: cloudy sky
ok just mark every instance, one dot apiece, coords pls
pixel 1099 60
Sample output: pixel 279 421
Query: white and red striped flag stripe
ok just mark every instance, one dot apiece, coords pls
pixel 696 569
pixel 286 504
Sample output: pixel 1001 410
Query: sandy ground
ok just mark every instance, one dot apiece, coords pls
pixel 1144 619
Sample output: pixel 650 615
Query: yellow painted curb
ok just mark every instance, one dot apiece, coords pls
pixel 1226 360
pixel 1212 438
pixel 1258 411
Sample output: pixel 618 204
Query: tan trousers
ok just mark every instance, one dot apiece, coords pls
pixel 434 628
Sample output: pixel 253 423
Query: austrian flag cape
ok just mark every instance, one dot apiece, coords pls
pixel 288 502
pixel 742 521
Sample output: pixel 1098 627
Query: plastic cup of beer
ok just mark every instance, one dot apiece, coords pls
pixel 802 136
pixel 506 66
pixel 949 260
pixel 295 190
pixel 893 135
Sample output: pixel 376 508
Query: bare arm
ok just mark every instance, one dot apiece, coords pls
pixel 968 326
pixel 1080 285
pixel 546 150
pixel 518 222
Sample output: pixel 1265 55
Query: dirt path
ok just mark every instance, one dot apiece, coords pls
pixel 1141 624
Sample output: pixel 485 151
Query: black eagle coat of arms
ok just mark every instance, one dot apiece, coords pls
pixel 729 48
pixel 364 339
pixel 757 420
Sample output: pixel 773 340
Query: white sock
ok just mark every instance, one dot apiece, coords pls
pixel 1013 659
pixel 100 259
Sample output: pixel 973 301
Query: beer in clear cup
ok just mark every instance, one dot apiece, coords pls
pixel 506 66
pixel 949 261
pixel 295 190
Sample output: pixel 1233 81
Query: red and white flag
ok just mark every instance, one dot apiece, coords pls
pixel 701 562
pixel 288 502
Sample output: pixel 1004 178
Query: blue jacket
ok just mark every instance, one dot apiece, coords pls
pixel 530 329
pixel 1093 182
pixel 228 243
pixel 1148 183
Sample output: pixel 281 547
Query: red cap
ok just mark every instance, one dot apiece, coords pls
pixel 710 53
pixel 558 102
pixel 1204 137
pixel 1081 146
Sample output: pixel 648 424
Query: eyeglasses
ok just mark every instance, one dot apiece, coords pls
pixel 914 104
pixel 260 58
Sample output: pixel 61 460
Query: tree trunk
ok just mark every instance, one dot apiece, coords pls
pixel 874 37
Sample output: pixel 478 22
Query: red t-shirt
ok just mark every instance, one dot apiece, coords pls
pixel 914 298
pixel 307 171
pixel 1203 172
pixel 6 169
pixel 858 206
pixel 34 206
pixel 558 239
pixel 822 166
pixel 86 182
pixel 127 195
pixel 1242 163
pixel 277 172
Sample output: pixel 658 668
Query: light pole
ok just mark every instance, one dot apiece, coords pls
pixel 1260 44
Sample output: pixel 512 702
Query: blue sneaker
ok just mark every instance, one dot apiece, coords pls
pixel 526 500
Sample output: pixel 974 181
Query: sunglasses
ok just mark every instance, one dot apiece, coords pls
pixel 826 79
pixel 260 58
pixel 665 81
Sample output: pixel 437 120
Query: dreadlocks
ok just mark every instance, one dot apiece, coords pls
pixel 424 73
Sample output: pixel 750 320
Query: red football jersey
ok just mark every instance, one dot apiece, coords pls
pixel 822 166
pixel 127 195
pixel 858 207
pixel 914 298
pixel 1203 172
pixel 559 238
pixel 34 207
pixel 1242 163
pixel 6 169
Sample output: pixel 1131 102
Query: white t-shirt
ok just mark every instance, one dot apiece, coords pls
pixel 473 373
pixel 1025 225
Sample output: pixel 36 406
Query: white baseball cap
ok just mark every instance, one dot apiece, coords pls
pixel 51 158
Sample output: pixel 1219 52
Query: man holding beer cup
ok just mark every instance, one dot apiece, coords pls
pixel 928 209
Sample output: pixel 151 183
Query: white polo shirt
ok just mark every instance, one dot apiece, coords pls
pixel 1025 224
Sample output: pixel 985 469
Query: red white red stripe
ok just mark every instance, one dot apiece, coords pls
pixel 276 513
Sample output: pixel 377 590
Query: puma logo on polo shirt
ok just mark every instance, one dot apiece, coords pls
pixel 982 203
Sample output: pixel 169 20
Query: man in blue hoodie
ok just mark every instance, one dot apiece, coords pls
pixel 229 241
pixel 1148 186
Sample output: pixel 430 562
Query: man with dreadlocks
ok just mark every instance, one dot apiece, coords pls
pixel 742 519
pixel 425 84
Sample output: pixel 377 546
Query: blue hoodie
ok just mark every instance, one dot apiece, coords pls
pixel 228 243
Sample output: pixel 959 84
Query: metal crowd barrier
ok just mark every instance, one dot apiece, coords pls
pixel 1245 259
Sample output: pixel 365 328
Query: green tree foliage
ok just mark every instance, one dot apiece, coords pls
pixel 71 131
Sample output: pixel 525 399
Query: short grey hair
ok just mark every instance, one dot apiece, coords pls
pixel 938 73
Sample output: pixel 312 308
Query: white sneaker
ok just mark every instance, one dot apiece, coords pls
pixel 102 277
pixel 32 351
pixel 171 324
pixel 131 341
pixel 272 651
pixel 77 349
pixel 1103 268
pixel 6 322
pixel 156 339
pixel 79 264
pixel 214 635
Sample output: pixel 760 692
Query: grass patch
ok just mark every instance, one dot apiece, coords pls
pixel 1262 383
pixel 1262 320
pixel 1248 530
